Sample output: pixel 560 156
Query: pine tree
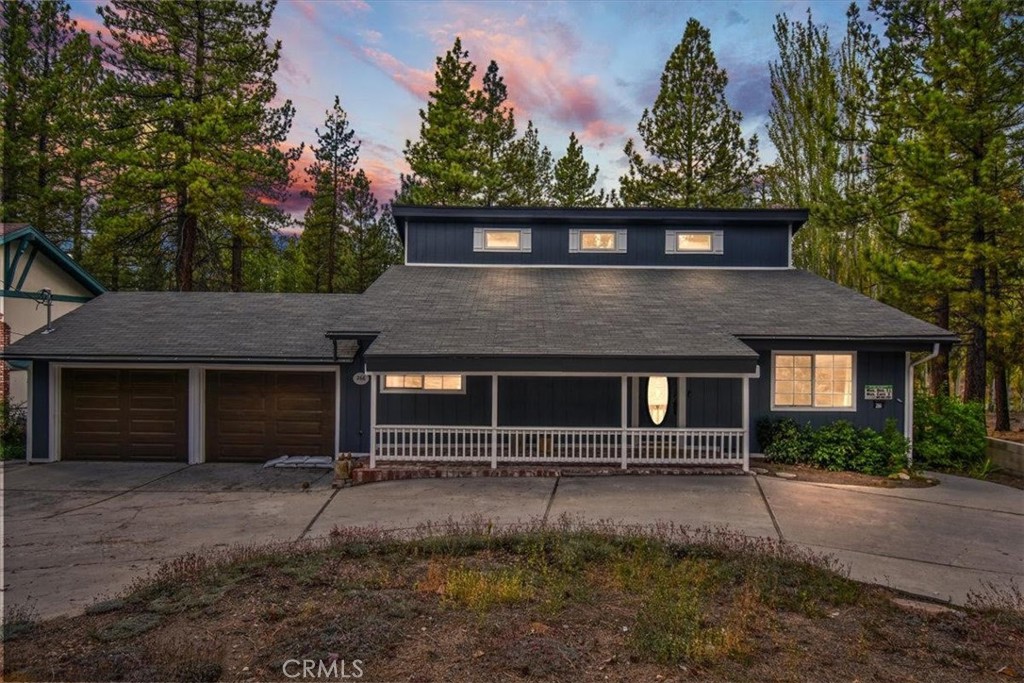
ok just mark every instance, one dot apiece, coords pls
pixel 496 129
pixel 51 77
pixel 529 168
pixel 198 138
pixel 574 181
pixel 370 241
pixel 336 154
pixel 817 123
pixel 695 152
pixel 447 158
pixel 950 140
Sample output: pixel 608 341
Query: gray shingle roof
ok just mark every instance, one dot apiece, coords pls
pixel 636 312
pixel 451 311
pixel 196 325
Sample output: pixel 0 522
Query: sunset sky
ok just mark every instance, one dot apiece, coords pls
pixel 569 66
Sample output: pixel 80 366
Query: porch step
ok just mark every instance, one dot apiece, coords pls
pixel 397 472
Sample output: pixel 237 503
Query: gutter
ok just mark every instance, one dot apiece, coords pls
pixel 908 405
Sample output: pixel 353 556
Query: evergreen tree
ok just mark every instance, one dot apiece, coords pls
pixel 817 123
pixel 529 168
pixel 336 154
pixel 370 241
pixel 496 129
pixel 951 143
pixel 447 158
pixel 197 145
pixel 574 181
pixel 695 152
pixel 51 76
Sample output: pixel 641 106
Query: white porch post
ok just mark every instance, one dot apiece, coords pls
pixel 746 424
pixel 494 422
pixel 625 417
pixel 373 421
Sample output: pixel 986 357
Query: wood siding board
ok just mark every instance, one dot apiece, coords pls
pixel 746 246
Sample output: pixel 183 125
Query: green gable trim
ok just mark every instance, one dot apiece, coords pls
pixel 35 296
pixel 29 235
pixel 28 267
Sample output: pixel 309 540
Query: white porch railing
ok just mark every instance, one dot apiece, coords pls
pixel 562 445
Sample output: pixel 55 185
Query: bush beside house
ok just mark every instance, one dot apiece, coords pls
pixel 12 431
pixel 837 446
pixel 948 433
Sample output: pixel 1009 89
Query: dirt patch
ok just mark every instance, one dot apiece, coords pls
pixel 568 604
pixel 1016 432
pixel 814 474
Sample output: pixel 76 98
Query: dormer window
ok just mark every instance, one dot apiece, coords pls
pixel 606 241
pixel 694 241
pixel 502 239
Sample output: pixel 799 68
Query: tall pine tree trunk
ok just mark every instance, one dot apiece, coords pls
pixel 1001 395
pixel 977 347
pixel 188 229
pixel 77 228
pixel 938 368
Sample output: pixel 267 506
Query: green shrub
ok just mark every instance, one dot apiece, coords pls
pixel 948 433
pixel 833 446
pixel 784 441
pixel 836 446
pixel 12 431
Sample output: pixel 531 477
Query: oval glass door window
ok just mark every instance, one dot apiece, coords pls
pixel 657 398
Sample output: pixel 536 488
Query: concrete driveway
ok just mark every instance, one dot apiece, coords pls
pixel 77 532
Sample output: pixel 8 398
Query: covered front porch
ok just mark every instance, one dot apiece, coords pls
pixel 625 420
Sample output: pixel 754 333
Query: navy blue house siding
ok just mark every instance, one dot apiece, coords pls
pixel 472 408
pixel 714 402
pixel 873 367
pixel 559 402
pixel 355 412
pixel 452 243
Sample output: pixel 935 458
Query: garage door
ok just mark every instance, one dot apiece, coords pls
pixel 124 414
pixel 255 416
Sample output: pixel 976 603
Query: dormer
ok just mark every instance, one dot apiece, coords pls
pixel 557 237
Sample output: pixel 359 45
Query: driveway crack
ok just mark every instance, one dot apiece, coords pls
pixel 768 506
pixel 551 500
pixel 318 513
pixel 119 493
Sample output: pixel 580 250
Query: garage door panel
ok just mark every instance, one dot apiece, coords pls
pixel 121 414
pixel 258 415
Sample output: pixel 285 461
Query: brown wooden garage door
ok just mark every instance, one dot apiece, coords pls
pixel 124 414
pixel 255 416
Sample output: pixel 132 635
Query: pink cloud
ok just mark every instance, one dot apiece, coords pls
pixel 537 62
pixel 307 8
pixel 355 6
pixel 418 82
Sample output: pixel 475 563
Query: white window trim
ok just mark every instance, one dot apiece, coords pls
pixel 717 242
pixel 406 390
pixel 812 408
pixel 575 243
pixel 525 240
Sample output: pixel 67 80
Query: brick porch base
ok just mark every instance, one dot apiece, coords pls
pixel 398 471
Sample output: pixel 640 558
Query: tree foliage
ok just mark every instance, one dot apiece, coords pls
pixel 196 137
pixel 693 153
pixel 575 184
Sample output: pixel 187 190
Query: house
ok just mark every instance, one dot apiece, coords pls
pixel 509 335
pixel 40 282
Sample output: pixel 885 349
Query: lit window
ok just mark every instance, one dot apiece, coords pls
pixel 608 241
pixel 693 242
pixel 813 380
pixel 657 398
pixel 427 383
pixel 597 241
pixel 486 239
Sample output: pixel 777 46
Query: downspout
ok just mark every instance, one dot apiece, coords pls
pixel 908 406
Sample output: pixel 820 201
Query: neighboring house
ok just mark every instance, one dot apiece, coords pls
pixel 31 265
pixel 619 336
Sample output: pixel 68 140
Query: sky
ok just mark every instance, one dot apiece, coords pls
pixel 588 67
